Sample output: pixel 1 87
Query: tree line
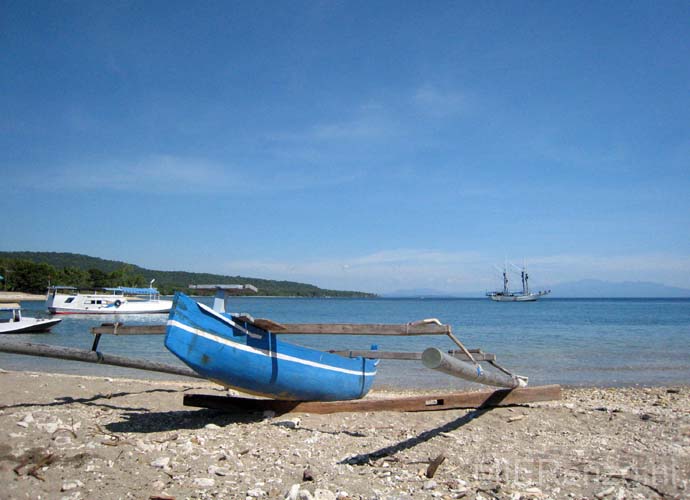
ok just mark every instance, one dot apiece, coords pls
pixel 33 272
pixel 26 276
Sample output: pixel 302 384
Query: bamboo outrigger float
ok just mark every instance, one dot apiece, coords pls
pixel 240 352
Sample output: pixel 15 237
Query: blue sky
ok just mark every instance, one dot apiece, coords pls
pixel 362 145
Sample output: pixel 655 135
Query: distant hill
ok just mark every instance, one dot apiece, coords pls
pixel 592 288
pixel 167 281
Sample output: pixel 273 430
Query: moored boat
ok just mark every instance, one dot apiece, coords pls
pixel 12 320
pixel 235 353
pixel 118 300
pixel 506 295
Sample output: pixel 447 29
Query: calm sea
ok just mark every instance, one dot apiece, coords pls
pixel 581 342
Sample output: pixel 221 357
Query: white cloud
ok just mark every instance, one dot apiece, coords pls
pixel 438 103
pixel 166 174
pixel 397 269
pixel 381 271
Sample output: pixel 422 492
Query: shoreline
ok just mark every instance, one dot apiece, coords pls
pixel 20 296
pixel 112 437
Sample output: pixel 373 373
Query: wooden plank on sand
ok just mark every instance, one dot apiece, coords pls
pixel 458 400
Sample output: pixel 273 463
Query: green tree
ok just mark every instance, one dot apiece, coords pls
pixel 125 276
pixel 29 277
pixel 98 278
pixel 72 276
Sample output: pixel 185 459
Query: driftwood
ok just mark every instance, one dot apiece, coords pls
pixel 434 464
pixel 478 399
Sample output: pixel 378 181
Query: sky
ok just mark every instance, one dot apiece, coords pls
pixel 373 146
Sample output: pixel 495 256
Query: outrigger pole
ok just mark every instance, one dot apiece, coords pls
pixel 93 356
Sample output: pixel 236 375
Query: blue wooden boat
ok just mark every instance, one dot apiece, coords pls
pixel 235 353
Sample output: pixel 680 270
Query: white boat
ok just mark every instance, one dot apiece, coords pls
pixel 119 300
pixel 12 321
pixel 506 295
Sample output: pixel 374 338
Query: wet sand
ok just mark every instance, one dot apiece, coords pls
pixel 73 437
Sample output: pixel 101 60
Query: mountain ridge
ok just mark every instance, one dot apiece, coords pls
pixel 167 281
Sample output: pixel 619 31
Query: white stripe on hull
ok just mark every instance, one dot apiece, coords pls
pixel 263 352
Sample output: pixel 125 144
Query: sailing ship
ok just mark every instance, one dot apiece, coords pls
pixel 506 295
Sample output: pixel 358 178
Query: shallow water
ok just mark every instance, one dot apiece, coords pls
pixel 603 342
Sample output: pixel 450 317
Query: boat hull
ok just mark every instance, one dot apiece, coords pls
pixel 28 325
pixel 160 309
pixel 77 303
pixel 243 357
pixel 514 298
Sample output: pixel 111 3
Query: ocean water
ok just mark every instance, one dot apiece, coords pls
pixel 576 342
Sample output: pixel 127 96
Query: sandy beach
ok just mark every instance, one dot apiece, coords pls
pixel 18 296
pixel 76 437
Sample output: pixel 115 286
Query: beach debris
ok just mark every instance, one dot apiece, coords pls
pixel 297 493
pixel 51 427
pixel 218 471
pixel 516 418
pixel 430 485
pixel 532 492
pixel 307 475
pixel 292 423
pixel 256 493
pixel 42 461
pixel 434 464
pixel 158 484
pixel 604 493
pixel 293 492
pixel 212 426
pixel 28 419
pixel 161 463
pixel 71 485
pixel 111 439
pixel 204 482
pixel 143 446
pixel 323 494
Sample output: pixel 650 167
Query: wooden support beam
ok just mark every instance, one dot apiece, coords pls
pixel 363 329
pixel 458 400
pixel 121 329
pixel 298 329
